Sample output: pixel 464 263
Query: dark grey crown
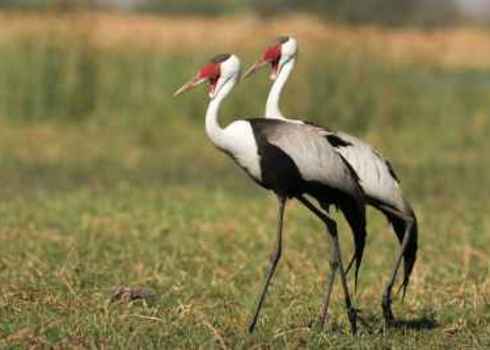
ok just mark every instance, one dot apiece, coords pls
pixel 220 58
pixel 282 39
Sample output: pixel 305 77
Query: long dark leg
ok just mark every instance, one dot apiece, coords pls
pixel 351 263
pixel 329 287
pixel 336 262
pixel 386 301
pixel 276 255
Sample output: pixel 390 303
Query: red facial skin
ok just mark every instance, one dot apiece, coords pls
pixel 211 72
pixel 273 55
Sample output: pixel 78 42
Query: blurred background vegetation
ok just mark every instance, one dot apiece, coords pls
pixel 96 156
pixel 63 71
pixel 427 13
pixel 115 65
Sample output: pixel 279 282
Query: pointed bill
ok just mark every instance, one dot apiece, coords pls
pixel 254 68
pixel 189 85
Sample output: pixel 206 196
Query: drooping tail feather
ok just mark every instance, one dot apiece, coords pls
pixel 359 245
pixel 357 222
pixel 355 214
pixel 359 251
pixel 410 254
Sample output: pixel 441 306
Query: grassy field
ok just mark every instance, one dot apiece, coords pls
pixel 102 186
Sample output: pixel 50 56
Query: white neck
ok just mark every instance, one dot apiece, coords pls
pixel 272 110
pixel 213 129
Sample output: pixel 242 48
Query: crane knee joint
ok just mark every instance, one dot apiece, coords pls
pixel 334 264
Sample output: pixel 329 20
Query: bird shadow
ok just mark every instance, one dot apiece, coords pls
pixel 425 322
pixel 418 324
pixel 373 324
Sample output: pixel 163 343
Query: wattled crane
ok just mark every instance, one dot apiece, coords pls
pixel 291 160
pixel 377 177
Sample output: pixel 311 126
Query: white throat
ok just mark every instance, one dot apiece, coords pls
pixel 272 110
pixel 237 139
pixel 213 129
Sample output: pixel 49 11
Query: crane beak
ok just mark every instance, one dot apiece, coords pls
pixel 189 85
pixel 254 68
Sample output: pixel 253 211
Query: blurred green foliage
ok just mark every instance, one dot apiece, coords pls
pixel 26 4
pixel 427 13
pixel 208 7
pixel 61 76
pixel 49 77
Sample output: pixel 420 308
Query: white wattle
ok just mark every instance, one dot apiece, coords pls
pixel 237 139
pixel 272 110
pixel 213 129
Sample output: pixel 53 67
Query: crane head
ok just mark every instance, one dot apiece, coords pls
pixel 216 72
pixel 282 50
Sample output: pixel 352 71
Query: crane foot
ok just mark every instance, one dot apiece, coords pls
pixel 352 314
pixel 387 313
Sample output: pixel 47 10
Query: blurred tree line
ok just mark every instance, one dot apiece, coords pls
pixel 384 12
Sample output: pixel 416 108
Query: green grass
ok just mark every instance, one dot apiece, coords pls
pixel 108 181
